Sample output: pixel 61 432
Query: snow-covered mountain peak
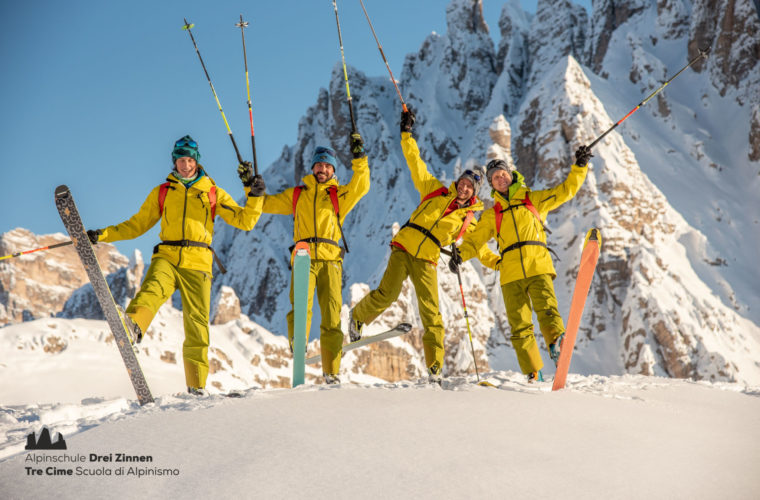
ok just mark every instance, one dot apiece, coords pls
pixel 465 16
pixel 562 22
pixel 462 62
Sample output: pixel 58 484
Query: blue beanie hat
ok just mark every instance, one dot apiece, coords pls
pixel 324 154
pixel 185 147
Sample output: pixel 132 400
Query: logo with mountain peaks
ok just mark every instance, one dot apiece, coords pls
pixel 43 442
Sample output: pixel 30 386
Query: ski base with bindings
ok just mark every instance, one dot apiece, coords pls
pixel 67 209
pixel 589 258
pixel 400 329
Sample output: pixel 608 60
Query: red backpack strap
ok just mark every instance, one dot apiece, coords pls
pixel 162 190
pixel 498 214
pixel 529 205
pixel 465 223
pixel 438 192
pixel 296 194
pixel 212 201
pixel 333 192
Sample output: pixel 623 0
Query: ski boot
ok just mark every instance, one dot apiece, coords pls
pixel 555 348
pixel 197 391
pixel 535 377
pixel 354 327
pixel 434 374
pixel 134 331
pixel 331 379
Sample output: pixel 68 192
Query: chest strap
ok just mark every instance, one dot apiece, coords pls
pixel 423 231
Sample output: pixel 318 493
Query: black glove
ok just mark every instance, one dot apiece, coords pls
pixel 357 145
pixel 258 187
pixel 93 235
pixel 455 261
pixel 407 120
pixel 245 172
pixel 582 156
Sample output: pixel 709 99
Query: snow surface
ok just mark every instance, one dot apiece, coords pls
pixel 616 437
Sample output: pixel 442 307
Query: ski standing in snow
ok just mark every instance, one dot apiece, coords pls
pixel 186 204
pixel 69 213
pixel 443 215
pixel 524 261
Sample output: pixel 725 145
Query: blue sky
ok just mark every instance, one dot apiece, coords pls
pixel 94 94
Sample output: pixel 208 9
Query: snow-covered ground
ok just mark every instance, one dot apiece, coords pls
pixel 616 437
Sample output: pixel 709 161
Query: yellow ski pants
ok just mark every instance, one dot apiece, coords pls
pixel 327 277
pixel 424 276
pixel 160 282
pixel 521 298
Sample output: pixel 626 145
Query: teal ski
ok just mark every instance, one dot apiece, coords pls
pixel 301 265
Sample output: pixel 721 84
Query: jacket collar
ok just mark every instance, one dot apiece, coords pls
pixel 203 182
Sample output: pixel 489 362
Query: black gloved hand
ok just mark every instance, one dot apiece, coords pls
pixel 245 172
pixel 455 261
pixel 357 145
pixel 93 235
pixel 582 156
pixel 407 120
pixel 258 187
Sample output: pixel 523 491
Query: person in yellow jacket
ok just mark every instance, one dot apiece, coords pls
pixel 317 222
pixel 440 219
pixel 524 264
pixel 186 205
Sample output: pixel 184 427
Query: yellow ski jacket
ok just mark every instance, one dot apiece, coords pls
pixel 430 227
pixel 187 216
pixel 315 217
pixel 521 238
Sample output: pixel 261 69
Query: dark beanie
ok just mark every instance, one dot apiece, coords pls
pixel 185 147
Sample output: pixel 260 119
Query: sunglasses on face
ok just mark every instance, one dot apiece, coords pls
pixel 473 175
pixel 184 142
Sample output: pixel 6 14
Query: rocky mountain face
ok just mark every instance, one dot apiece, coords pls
pixel 674 290
pixel 37 285
pixel 124 284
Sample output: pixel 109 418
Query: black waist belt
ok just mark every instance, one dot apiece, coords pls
pixel 314 239
pixel 190 243
pixel 423 231
pixel 520 244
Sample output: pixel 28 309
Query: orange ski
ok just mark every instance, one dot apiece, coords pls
pixel 582 285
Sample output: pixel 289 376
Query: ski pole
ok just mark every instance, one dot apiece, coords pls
pixel 189 27
pixel 345 73
pixel 242 25
pixel 380 47
pixel 454 252
pixel 702 54
pixel 49 247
